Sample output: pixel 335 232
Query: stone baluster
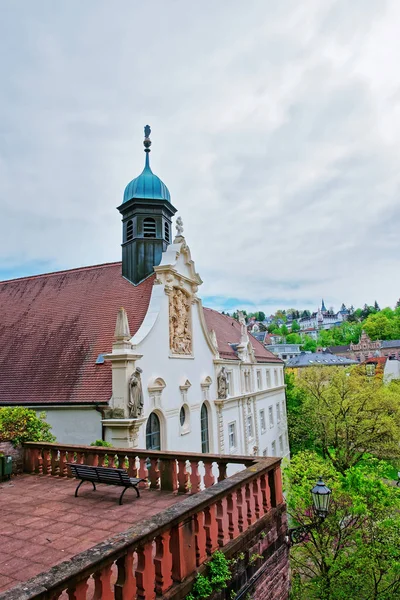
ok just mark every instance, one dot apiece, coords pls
pixel 211 527
pixel 154 474
pixel 233 517
pixel 102 582
pixel 100 459
pixel 168 475
pixel 78 590
pixel 40 461
pixel 200 537
pixel 46 462
pixel 242 523
pixel 223 522
pixel 195 478
pixel 183 549
pixel 92 459
pixel 80 458
pixel 54 467
pixel 163 563
pixel 125 586
pixel 111 460
pixel 250 508
pixel 132 466
pixel 121 461
pixel 183 477
pixel 62 463
pixel 209 478
pixel 255 489
pixel 145 573
pixel 222 466
pixel 265 493
pixel 278 485
pixel 143 472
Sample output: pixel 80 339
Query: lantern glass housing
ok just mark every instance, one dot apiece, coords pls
pixel 321 496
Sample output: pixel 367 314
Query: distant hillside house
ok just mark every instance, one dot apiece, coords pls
pixel 284 351
pixel 323 319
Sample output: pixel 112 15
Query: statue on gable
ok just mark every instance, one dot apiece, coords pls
pixel 135 402
pixel 222 380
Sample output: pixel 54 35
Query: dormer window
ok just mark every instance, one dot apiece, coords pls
pixel 129 231
pixel 166 232
pixel 149 227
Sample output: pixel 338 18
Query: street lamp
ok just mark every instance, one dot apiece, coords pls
pixel 321 496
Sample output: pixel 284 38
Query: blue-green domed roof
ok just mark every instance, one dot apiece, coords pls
pixel 147 186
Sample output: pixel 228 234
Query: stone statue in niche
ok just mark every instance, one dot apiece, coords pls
pixel 135 402
pixel 180 335
pixel 222 380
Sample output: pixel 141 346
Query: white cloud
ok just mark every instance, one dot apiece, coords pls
pixel 274 126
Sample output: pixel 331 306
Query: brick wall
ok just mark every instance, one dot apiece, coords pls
pixel 16 453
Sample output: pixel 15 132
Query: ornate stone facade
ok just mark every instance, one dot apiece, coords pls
pixel 365 348
pixel 180 331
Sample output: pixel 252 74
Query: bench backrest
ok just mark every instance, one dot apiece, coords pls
pixel 100 474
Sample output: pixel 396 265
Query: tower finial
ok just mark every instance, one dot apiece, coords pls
pixel 147 140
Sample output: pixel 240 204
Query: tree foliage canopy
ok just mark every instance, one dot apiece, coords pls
pixel 355 552
pixel 349 413
pixel 19 424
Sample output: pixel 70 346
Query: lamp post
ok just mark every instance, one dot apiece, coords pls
pixel 321 496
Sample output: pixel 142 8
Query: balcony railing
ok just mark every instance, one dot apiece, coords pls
pixel 148 559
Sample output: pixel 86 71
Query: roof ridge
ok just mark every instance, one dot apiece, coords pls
pixel 84 268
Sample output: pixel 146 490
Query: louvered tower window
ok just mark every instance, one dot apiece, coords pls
pixel 166 232
pixel 129 231
pixel 149 227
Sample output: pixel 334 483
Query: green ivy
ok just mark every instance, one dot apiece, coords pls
pixel 217 575
pixel 101 443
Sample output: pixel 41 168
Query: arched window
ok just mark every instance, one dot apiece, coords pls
pixel 205 445
pixel 129 231
pixel 153 438
pixel 166 232
pixel 149 227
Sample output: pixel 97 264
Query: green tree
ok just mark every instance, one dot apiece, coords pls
pixel 284 330
pixel 19 424
pixel 260 316
pixel 309 345
pixel 381 326
pixel 354 553
pixel 295 326
pixel 300 435
pixel 293 338
pixel 350 414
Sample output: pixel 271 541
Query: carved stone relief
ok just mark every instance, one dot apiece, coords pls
pixel 222 380
pixel 180 334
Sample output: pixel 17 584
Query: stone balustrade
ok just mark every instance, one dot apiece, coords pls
pixel 169 471
pixel 152 558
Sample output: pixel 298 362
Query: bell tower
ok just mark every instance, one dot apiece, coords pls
pixel 146 221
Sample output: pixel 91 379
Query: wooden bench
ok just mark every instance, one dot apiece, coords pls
pixel 104 475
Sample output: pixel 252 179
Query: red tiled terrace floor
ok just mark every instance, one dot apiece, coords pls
pixel 42 523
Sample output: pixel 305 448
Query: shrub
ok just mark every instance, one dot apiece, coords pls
pixel 101 443
pixel 18 424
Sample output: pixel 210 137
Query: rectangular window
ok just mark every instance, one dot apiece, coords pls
pixel 259 381
pixel 250 426
pixel 232 435
pixel 268 378
pixel 229 383
pixel 273 449
pixel 262 421
pixel 276 377
pixel 271 416
pixel 281 445
pixel 278 413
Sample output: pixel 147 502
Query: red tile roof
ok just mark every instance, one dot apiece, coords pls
pixel 378 360
pixel 54 326
pixel 228 332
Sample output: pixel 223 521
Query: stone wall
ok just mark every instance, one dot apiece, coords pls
pixel 17 454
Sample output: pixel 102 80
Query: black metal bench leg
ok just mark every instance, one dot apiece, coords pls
pixel 79 485
pixel 123 492
pixel 137 490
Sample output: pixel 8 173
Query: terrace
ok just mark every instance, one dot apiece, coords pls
pixel 53 545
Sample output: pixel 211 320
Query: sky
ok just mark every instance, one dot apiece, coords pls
pixel 275 126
